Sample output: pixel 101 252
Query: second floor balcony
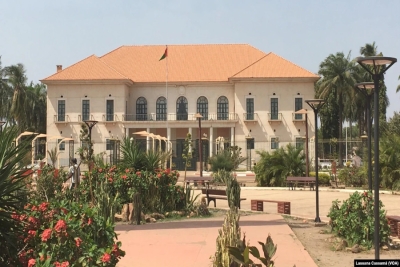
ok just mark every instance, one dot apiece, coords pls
pixel 179 117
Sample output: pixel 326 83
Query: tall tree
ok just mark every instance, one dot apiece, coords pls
pixel 337 76
pixel 369 50
pixel 36 107
pixel 5 95
pixel 17 80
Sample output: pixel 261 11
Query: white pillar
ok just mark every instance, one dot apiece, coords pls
pixel 148 140
pixel 169 136
pixel 232 136
pixel 211 141
pixel 190 131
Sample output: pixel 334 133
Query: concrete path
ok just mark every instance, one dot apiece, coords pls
pixel 192 242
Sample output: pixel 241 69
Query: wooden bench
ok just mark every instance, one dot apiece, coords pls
pixel 198 179
pixel 258 205
pixel 394 224
pixel 292 182
pixel 214 194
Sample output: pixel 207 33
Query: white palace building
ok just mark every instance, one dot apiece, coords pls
pixel 245 96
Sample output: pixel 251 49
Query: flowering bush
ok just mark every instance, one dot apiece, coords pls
pixel 158 189
pixel 65 234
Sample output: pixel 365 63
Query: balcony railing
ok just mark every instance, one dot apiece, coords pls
pixel 298 117
pixel 274 117
pixel 86 117
pixel 61 118
pixel 110 117
pixel 179 117
pixel 250 116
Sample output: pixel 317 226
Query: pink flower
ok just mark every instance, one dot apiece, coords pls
pixel 124 177
pixel 89 221
pixel 46 235
pixel 43 206
pixel 31 262
pixel 65 264
pixel 106 257
pixel 78 242
pixel 60 226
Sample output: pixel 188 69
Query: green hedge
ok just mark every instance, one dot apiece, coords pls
pixel 323 178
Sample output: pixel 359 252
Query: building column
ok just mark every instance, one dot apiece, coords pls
pixel 190 131
pixel 211 142
pixel 148 140
pixel 169 137
pixel 232 136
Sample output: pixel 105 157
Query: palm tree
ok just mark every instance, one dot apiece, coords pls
pixel 17 80
pixel 389 161
pixel 12 188
pixel 5 95
pixel 372 50
pixel 337 76
pixel 36 107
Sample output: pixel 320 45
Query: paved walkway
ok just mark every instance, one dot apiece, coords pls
pixel 192 242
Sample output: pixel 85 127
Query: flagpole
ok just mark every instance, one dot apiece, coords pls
pixel 166 96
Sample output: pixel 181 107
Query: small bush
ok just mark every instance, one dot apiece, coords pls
pixel 323 178
pixel 354 219
pixel 353 176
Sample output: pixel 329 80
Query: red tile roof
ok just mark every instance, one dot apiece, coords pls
pixel 185 63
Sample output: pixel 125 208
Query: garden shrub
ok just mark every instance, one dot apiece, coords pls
pixel 68 233
pixel 354 219
pixel 158 189
pixel 353 176
pixel 323 178
pixel 222 176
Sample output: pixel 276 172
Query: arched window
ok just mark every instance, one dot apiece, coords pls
pixel 141 109
pixel 161 109
pixel 202 107
pixel 181 109
pixel 222 108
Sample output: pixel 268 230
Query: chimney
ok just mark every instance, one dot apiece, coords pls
pixel 59 68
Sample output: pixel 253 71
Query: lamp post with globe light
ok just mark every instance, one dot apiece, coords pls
pixel 376 66
pixel 316 105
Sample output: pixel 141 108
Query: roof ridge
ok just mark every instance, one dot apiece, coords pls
pixel 92 55
pixel 293 63
pixel 258 60
pixel 113 50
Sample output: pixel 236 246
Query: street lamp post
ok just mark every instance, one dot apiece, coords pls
pixel 90 124
pixel 316 105
pixel 367 90
pixel 378 66
pixel 198 116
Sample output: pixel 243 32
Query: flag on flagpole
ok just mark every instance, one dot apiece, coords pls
pixel 165 54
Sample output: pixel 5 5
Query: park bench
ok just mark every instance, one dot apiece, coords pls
pixel 394 224
pixel 198 180
pixel 214 194
pixel 258 205
pixel 292 182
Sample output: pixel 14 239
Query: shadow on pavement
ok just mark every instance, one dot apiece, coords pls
pixel 194 224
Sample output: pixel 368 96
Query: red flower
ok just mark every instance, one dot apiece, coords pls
pixel 89 221
pixel 15 216
pixel 43 207
pixel 127 170
pixel 110 180
pixel 31 233
pixel 57 264
pixel 106 257
pixel 115 250
pixel 33 220
pixel 46 235
pixel 78 242
pixel 124 177
pixel 34 208
pixel 65 264
pixel 60 226
pixel 159 175
pixel 31 262
pixel 138 173
pixel 167 171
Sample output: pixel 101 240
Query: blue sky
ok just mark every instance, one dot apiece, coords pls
pixel 43 34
